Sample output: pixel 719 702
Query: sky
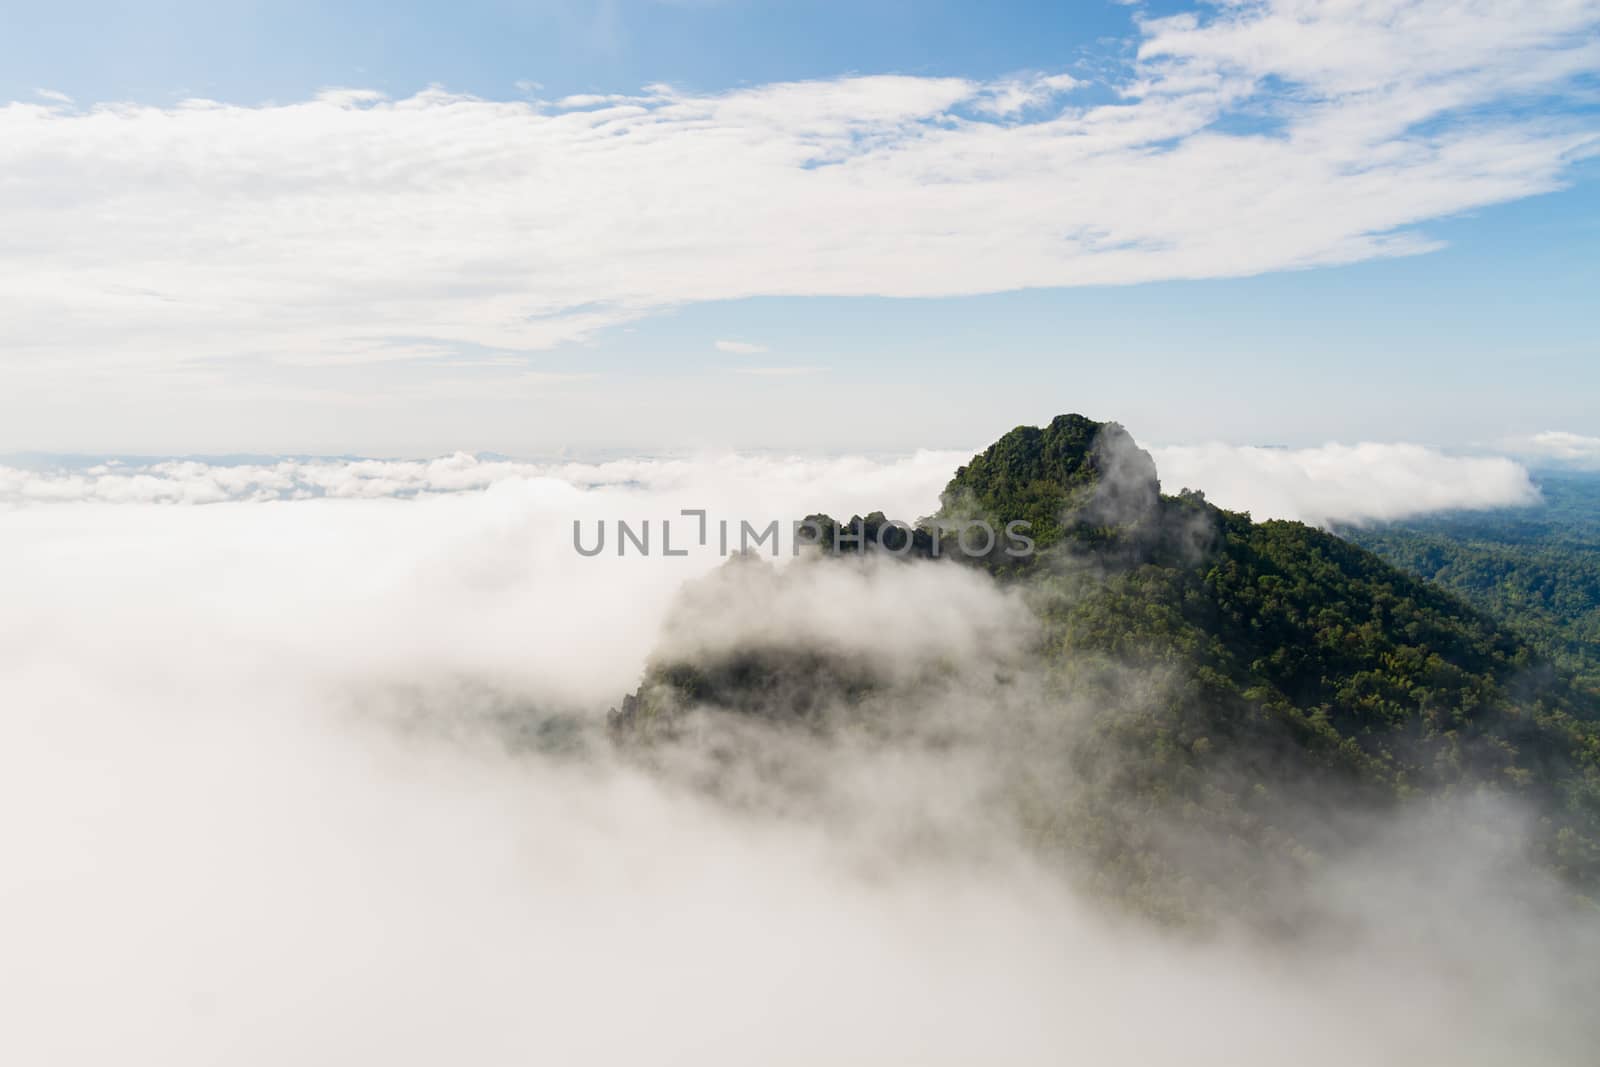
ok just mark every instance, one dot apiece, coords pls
pixel 264 786
pixel 411 229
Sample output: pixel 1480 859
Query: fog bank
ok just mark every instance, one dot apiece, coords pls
pixel 260 806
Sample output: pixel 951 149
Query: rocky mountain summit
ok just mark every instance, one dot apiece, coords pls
pixel 1169 690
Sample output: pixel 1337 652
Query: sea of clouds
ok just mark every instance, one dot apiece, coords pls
pixel 1326 485
pixel 258 807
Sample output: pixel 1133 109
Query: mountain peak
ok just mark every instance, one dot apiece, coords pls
pixel 1073 473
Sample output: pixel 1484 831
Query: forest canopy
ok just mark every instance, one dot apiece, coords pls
pixel 1298 669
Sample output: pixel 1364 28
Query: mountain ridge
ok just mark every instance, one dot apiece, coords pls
pixel 1297 665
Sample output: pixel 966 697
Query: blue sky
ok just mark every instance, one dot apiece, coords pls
pixel 248 52
pixel 1272 310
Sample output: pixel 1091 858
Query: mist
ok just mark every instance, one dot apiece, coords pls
pixel 276 786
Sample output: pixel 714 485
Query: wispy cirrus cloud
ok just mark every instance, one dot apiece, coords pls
pixel 1019 94
pixel 315 232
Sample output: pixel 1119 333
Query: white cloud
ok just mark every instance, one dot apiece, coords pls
pixel 740 348
pixel 352 228
pixel 253 814
pixel 1331 484
pixel 1561 447
pixel 53 95
pixel 1020 94
pixel 1343 483
pixel 906 486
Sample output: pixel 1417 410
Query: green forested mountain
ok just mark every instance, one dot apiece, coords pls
pixel 1200 690
pixel 1536 568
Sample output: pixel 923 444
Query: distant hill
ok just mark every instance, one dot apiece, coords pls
pixel 1536 568
pixel 1200 690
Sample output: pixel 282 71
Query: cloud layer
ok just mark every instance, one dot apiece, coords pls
pixel 254 812
pixel 907 483
pixel 1560 448
pixel 350 228
pixel 1331 484
pixel 1344 483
